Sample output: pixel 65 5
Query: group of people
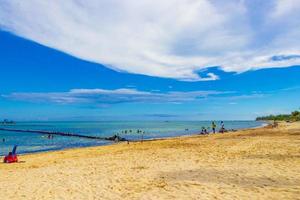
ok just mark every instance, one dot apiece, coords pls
pixel 213 127
pixel 131 131
pixel 50 136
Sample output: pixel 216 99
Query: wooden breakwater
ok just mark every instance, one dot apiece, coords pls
pixel 113 138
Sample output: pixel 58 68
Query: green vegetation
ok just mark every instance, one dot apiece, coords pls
pixel 294 116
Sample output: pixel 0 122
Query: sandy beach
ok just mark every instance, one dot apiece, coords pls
pixel 261 163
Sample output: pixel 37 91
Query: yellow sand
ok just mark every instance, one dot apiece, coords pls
pixel 251 164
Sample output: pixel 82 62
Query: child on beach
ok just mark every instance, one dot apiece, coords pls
pixel 203 130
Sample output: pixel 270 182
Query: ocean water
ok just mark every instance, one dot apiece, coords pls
pixel 33 142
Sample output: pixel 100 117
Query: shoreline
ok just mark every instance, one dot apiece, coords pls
pixel 189 136
pixel 262 163
pixel 136 141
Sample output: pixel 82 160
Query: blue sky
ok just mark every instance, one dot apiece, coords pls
pixel 63 68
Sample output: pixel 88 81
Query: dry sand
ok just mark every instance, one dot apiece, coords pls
pixel 251 164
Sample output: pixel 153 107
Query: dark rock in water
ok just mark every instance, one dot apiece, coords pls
pixel 116 138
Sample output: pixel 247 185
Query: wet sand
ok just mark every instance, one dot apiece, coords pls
pixel 259 163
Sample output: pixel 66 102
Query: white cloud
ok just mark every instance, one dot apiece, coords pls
pixel 211 77
pixel 101 96
pixel 284 8
pixel 166 38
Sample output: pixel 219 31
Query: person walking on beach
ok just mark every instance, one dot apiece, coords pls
pixel 213 126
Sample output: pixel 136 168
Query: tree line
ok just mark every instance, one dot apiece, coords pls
pixel 294 116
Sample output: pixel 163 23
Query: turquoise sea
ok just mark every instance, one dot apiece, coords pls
pixel 32 142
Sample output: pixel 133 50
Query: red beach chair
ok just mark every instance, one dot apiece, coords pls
pixel 12 156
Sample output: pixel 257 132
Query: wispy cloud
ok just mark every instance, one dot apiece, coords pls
pixel 166 38
pixel 101 96
pixel 247 96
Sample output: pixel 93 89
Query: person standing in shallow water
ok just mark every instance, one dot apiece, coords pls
pixel 213 126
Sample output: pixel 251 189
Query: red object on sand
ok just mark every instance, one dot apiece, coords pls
pixel 10 158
